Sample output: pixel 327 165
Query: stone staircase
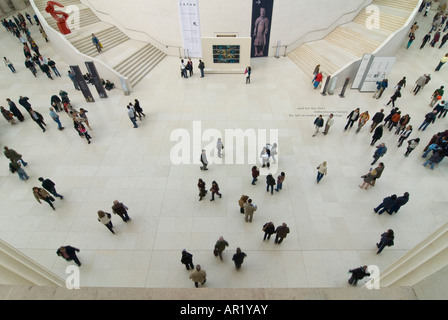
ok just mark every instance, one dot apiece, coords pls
pixel 135 65
pixel 349 42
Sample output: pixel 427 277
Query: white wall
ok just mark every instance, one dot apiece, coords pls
pixel 291 19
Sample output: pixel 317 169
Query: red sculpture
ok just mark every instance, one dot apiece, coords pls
pixel 61 20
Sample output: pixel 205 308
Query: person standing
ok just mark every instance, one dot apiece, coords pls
pixel 380 151
pixel 367 179
pixel 441 62
pixel 190 67
pixel 204 160
pixel 201 67
pixel 249 209
pixel 55 118
pixel 280 180
pixel 404 135
pixel 430 117
pixel 377 119
pixel 82 114
pixel 265 155
pixel 386 205
pixel 69 254
pixel 97 43
pixel 247 73
pixel 321 171
pixel 238 258
pixel 82 129
pixel 242 202
pixel 381 86
pixel 52 65
pixel 187 259
pixel 317 80
pixel 8 115
pixel 29 64
pixel 42 194
pixel 377 134
pixel 352 118
pixel 412 144
pixel 39 119
pixel 387 239
pixel 13 155
pixel 15 111
pixel 379 171
pixel 280 233
pixel 215 190
pixel 318 123
pixel 131 115
pixel 183 69
pixel 436 96
pixel 435 158
pixel 219 147
pixel 269 230
pixel 23 101
pixel 9 64
pixel 120 209
pixel 328 123
pixel 202 190
pixel 444 40
pixel 198 276
pixel 46 69
pixel 358 274
pixel 106 219
pixel 419 84
pixel 49 185
pixel 270 183
pixel 401 201
pixel 402 124
pixel 255 174
pixel 393 121
pixel 363 118
pixel 220 246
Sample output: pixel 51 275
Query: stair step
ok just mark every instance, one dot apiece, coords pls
pixel 134 61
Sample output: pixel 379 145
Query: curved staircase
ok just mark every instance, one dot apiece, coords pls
pixel 350 41
pixel 132 59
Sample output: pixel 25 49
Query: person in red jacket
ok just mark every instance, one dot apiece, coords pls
pixel 317 80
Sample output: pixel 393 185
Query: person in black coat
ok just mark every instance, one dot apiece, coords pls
pixel 377 119
pixel 49 185
pixel 238 258
pixel 187 259
pixel 377 134
pixel 23 101
pixel 387 239
pixel 15 111
pixel 269 230
pixel 38 118
pixel 358 274
pixel 401 201
pixel 138 109
pixel 270 183
pixel 68 253
pixel 386 205
pixel 352 118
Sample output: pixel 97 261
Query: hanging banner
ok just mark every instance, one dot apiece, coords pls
pixel 91 68
pixel 82 83
pixel 190 29
pixel 261 27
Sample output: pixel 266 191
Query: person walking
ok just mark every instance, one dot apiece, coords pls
pixel 270 183
pixel 8 115
pixel 82 114
pixel 201 67
pixel 52 65
pixel 419 84
pixel 242 202
pixel 202 190
pixel 430 117
pixel 255 174
pixel 29 64
pixel 444 40
pixel 215 190
pixel 318 123
pixel 321 171
pixel 436 96
pixel 386 205
pixel 437 157
pixel 394 97
pixel 280 180
pixel 368 178
pixel 317 80
pixel 183 69
pixel 402 124
pixel 412 144
pixel 219 147
pixel 238 258
pixel 328 123
pixel 381 86
pixel 249 209
pixel 15 111
pixel 120 209
pixel 220 246
pixel 435 39
pixel 269 230
pixel 280 233
pixel 352 118
pixel 97 43
pixel 379 171
pixel 411 39
pixel 198 276
pixel 401 201
pixel 39 119
pixel 380 151
pixel 247 73
pixel 9 64
pixel 82 129
pixel 204 160
pixel 138 109
pixel 426 38
pixel 441 62
pixel 189 67
pixel 358 274
pixel 187 259
pixel 46 69
pixel 55 118
pixel 106 219
pixel 69 254
pixel 50 186
pixel 377 119
pixel 363 118
pixel 393 121
pixel 42 194
pixel 131 115
pixel 444 110
pixel 13 155
pixel 404 135
pixel 387 239
pixel 17 167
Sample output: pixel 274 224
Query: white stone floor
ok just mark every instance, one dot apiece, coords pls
pixel 333 227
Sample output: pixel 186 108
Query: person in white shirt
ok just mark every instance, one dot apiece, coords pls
pixel 131 114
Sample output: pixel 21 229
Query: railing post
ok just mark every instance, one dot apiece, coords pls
pixel 327 81
pixel 344 88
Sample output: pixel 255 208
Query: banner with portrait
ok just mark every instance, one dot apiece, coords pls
pixel 190 28
pixel 261 27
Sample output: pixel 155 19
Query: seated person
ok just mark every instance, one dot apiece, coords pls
pixel 109 85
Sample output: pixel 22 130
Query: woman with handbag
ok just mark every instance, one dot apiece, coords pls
pixel 368 178
pixel 42 194
pixel 106 219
